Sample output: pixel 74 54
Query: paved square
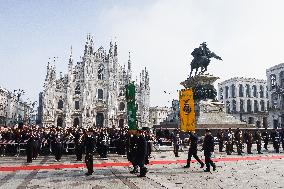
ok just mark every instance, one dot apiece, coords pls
pixel 253 171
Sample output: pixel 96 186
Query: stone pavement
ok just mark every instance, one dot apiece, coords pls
pixel 250 173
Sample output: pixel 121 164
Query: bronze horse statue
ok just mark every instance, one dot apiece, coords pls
pixel 202 56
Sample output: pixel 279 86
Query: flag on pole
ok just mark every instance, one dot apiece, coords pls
pixel 187 115
pixel 131 106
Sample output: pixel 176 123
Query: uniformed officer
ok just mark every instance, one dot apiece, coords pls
pixel 89 144
pixel 141 153
pixel 229 142
pixel 29 148
pixel 258 141
pixel 239 141
pixel 208 147
pixel 78 140
pixel 275 136
pixel 220 136
pixel 176 142
pixel 265 137
pixel 193 141
pixel 282 137
pixel 131 150
pixel 58 146
pixel 249 141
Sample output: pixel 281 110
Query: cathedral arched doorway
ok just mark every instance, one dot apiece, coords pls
pixel 76 122
pixel 100 119
pixel 59 122
pixel 121 123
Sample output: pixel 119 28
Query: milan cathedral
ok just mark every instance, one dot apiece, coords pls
pixel 92 93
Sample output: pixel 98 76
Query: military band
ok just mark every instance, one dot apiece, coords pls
pixel 136 145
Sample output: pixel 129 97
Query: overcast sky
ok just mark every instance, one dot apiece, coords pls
pixel 161 34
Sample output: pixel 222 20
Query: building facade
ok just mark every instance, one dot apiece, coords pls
pixel 92 93
pixel 158 115
pixel 275 84
pixel 13 109
pixel 246 99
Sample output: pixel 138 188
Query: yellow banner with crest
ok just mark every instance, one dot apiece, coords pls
pixel 186 112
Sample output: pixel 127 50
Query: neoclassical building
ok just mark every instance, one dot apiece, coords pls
pixel 13 109
pixel 92 92
pixel 158 114
pixel 275 83
pixel 246 99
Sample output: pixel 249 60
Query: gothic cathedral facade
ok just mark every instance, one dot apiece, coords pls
pixel 92 93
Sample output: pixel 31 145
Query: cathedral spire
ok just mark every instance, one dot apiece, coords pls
pixel 129 62
pixel 115 49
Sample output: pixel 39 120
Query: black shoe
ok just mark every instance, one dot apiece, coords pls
pixel 141 175
pixel 214 167
pixel 207 170
pixel 260 153
pixel 186 166
pixel 88 173
pixel 202 165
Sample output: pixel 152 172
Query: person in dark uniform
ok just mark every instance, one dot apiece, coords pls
pixel 249 141
pixel 176 142
pixel 89 144
pixel 265 137
pixel 239 141
pixel 275 136
pixel 258 141
pixel 36 145
pixel 208 147
pixel 220 136
pixel 78 140
pixel 58 146
pixel 140 153
pixel 192 151
pixel 29 149
pixel 229 142
pixel 131 150
pixel 282 137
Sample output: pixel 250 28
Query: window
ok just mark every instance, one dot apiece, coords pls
pixel 221 93
pixel 273 81
pixel 248 106
pixel 233 91
pixel 281 78
pixel 228 109
pixel 60 104
pixel 234 106
pixel 254 91
pixel 121 106
pixel 242 106
pixel 261 91
pixel 100 94
pixel 255 106
pixel 262 105
pixel 241 90
pixel 77 89
pixel 226 92
pixel 77 105
pixel 247 90
pixel 101 72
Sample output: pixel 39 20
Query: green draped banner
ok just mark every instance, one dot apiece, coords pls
pixel 131 108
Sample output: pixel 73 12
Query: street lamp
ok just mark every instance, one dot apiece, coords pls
pixel 18 93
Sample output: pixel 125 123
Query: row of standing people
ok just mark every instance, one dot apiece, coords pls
pixel 239 138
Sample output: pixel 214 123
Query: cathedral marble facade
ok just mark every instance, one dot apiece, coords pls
pixel 92 93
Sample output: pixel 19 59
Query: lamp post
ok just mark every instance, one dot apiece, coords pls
pixel 18 93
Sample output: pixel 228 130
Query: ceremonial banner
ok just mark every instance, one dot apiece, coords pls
pixel 186 112
pixel 131 107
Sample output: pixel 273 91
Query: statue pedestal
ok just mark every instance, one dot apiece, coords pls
pixel 209 112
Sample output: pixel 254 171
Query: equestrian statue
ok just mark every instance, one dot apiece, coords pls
pixel 202 56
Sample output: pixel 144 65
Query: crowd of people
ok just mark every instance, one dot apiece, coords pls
pixel 56 140
pixel 135 145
